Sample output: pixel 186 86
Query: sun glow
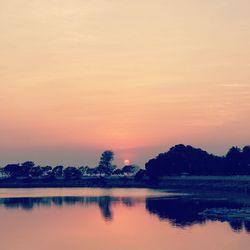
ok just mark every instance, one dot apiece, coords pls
pixel 126 162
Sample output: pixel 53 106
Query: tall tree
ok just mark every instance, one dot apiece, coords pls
pixel 105 164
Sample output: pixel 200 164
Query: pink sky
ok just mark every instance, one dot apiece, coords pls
pixel 78 77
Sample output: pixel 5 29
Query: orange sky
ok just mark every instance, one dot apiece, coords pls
pixel 78 77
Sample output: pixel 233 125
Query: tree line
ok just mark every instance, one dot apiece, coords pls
pixel 187 160
pixel 180 160
pixel 105 167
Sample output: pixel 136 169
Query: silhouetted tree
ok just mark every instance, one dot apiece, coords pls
pixel 105 164
pixel 17 170
pixel 57 171
pixel 26 167
pixel 129 169
pixel 140 175
pixel 12 170
pixel 91 171
pixel 71 173
pixel 246 160
pixel 47 171
pixel 36 171
pixel 233 161
pixel 83 170
pixel 117 171
pixel 187 160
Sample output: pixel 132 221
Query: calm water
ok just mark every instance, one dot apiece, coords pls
pixel 78 218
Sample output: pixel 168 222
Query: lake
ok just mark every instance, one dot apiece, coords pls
pixel 93 218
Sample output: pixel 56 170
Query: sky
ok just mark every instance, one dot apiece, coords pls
pixel 138 76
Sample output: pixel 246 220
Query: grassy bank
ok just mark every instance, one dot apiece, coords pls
pixel 125 182
pixel 209 183
pixel 194 183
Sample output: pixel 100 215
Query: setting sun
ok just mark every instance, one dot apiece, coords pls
pixel 126 162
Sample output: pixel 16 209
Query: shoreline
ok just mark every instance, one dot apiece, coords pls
pixel 195 183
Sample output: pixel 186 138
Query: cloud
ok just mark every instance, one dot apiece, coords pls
pixel 234 85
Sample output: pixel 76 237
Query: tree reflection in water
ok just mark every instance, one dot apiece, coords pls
pixel 103 202
pixel 180 211
pixel 187 211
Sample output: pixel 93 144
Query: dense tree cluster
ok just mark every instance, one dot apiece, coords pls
pixel 187 160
